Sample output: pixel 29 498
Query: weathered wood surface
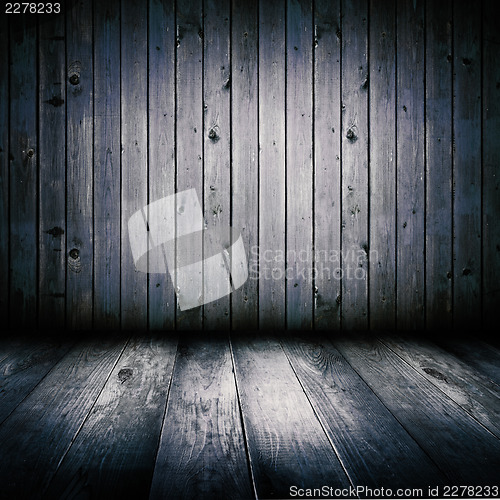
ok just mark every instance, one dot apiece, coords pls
pixel 370 443
pixel 116 437
pixel 286 443
pixel 338 137
pixel 202 452
pixel 37 435
pixel 461 447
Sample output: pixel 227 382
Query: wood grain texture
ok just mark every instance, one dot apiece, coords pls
pixel 189 122
pixel 355 84
pixel 491 160
pixel 161 148
pixel 410 165
pixel 37 435
pixel 24 363
pixel 52 181
pixel 472 391
pixel 107 154
pixel 438 130
pixel 80 173
pixel 23 174
pixel 120 433
pixel 286 443
pixel 202 453
pixel 245 155
pixel 4 170
pixel 299 164
pixel 134 156
pixel 460 446
pixel 327 220
pixel 467 165
pixel 272 208
pixel 382 167
pixel 216 141
pixel 372 445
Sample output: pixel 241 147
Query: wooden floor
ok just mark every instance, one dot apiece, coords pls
pixel 247 416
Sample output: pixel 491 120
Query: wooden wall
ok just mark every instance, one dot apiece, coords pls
pixel 365 131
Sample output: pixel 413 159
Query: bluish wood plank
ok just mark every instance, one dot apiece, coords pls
pixel 410 165
pixel 23 177
pixel 299 164
pixel 272 255
pixel 189 119
pixel 80 177
pixel 382 194
pixel 134 143
pixel 491 166
pixel 327 205
pixel 245 155
pixel 52 182
pixel 161 151
pixel 354 165
pixel 107 155
pixel 216 140
pixel 438 104
pixel 202 452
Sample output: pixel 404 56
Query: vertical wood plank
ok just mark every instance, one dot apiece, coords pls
pixel 382 189
pixel 23 158
pixel 491 162
pixel 134 87
pixel 244 162
pixel 467 165
pixel 327 78
pixel 107 154
pixel 355 164
pixel 410 164
pixel 52 183
pixel 272 164
pixel 299 164
pixel 80 179
pixel 189 119
pixel 4 170
pixel 217 138
pixel 161 301
pixel 438 102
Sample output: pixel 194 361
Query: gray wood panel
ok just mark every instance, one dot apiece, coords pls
pixel 23 174
pixel 79 167
pixel 52 181
pixel 201 452
pixel 327 231
pixel 382 175
pixel 299 164
pixel 134 155
pixel 355 75
pixel 116 437
pixel 491 161
pixel 245 154
pixel 286 443
pixel 107 154
pixel 272 208
pixel 467 165
pixel 161 149
pixel 410 187
pixel 438 130
pixel 189 119
pixel 216 141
